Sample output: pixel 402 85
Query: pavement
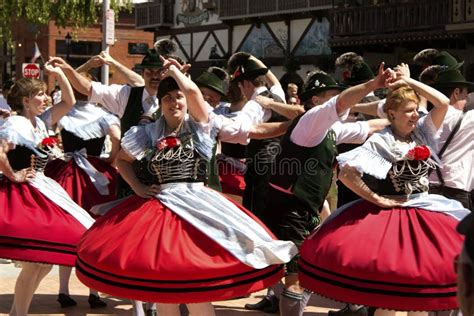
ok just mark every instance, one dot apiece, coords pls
pixel 44 301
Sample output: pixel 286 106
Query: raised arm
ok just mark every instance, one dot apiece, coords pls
pixel 287 110
pixel 353 95
pixel 78 81
pixel 131 77
pixel 439 100
pixel 67 95
pixel 197 107
pixel 268 130
pixel 125 167
pixel 369 108
pixel 352 179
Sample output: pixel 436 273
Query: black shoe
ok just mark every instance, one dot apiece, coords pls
pixel 150 312
pixel 274 307
pixel 96 302
pixel 65 300
pixel 270 306
pixel 259 306
pixel 346 311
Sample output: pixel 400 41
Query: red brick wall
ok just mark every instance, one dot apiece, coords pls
pixel 46 37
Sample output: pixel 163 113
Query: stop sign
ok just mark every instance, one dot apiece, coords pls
pixel 31 71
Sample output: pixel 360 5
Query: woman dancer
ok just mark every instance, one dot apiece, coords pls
pixel 180 242
pixel 409 237
pixel 39 224
pixel 86 177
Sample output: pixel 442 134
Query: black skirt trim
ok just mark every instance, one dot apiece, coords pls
pixel 80 262
pixel 342 276
pixel 373 290
pixel 17 239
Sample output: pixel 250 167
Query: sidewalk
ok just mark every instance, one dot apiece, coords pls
pixel 44 301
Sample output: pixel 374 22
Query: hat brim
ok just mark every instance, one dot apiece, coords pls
pixel 251 74
pixel 455 84
pixel 459 65
pixel 305 95
pixel 213 88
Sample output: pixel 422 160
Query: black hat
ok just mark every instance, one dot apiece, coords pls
pixel 466 228
pixel 360 73
pixel 166 85
pixel 452 78
pixel 446 59
pixel 249 69
pixel 211 81
pixel 151 60
pixel 319 82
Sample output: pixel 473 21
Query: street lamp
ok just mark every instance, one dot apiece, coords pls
pixel 68 39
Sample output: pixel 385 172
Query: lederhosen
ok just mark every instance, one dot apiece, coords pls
pixel 299 187
pixel 460 195
pixel 260 159
pixel 131 117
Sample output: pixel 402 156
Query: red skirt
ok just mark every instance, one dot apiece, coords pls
pixel 78 184
pixel 142 250
pixel 232 180
pixel 399 259
pixel 32 228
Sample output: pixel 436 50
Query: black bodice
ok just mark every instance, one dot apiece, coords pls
pixel 405 177
pixel 180 163
pixel 22 157
pixel 72 143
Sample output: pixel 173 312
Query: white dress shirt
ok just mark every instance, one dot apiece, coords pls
pixel 115 98
pixel 314 125
pixel 457 169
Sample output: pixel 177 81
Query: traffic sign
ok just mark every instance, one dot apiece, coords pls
pixel 31 70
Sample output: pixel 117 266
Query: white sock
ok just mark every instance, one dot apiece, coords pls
pixel 138 308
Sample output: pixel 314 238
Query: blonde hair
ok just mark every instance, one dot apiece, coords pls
pixel 24 87
pixel 399 97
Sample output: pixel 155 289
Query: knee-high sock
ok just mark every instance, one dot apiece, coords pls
pixel 291 303
pixel 201 309
pixel 149 305
pixel 138 308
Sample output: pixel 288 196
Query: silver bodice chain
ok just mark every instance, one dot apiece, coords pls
pixel 411 175
pixel 176 163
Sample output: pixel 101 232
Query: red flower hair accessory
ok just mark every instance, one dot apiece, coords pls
pixel 419 153
pixel 168 142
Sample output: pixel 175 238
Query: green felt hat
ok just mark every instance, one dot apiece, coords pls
pixel 151 60
pixel 359 74
pixel 248 69
pixel 211 81
pixel 452 78
pixel 317 83
pixel 446 59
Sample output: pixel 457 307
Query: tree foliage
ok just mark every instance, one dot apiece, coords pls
pixel 73 13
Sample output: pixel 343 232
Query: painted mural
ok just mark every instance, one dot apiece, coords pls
pixel 316 39
pixel 261 43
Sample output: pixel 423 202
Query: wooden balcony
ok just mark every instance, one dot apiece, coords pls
pixel 238 9
pixel 390 18
pixel 153 15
